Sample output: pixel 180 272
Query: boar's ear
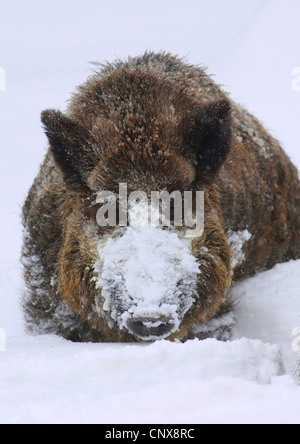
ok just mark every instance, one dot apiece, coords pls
pixel 70 145
pixel 207 131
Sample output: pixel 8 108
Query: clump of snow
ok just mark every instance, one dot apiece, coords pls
pixel 236 241
pixel 147 272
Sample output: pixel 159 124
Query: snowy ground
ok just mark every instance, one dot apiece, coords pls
pixel 46 379
pixel 252 47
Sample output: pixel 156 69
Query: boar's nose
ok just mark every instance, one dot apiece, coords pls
pixel 150 328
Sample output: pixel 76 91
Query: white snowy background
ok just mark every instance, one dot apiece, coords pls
pixel 252 48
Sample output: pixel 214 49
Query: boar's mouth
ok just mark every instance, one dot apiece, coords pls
pixel 150 329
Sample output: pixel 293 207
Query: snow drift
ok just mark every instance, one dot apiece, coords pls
pixel 46 379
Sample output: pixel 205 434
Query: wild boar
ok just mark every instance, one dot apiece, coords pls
pixel 153 124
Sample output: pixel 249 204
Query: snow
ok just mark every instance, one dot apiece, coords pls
pixel 253 49
pixel 268 308
pixel 236 241
pixel 111 383
pixel 48 380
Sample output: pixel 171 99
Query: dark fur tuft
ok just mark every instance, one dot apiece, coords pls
pixel 207 130
pixel 70 146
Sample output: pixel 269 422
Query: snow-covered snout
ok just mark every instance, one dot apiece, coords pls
pixel 148 281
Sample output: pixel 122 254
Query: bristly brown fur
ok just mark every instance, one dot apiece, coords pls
pixel 155 123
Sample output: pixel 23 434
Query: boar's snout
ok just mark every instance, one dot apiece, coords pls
pixel 150 328
pixel 147 279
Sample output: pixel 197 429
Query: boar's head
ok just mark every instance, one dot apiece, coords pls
pixel 139 282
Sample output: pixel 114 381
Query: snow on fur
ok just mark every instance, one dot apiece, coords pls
pixel 236 241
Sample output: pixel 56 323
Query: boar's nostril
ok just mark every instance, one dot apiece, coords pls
pixel 149 329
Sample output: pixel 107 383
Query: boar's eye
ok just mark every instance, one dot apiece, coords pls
pixel 207 132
